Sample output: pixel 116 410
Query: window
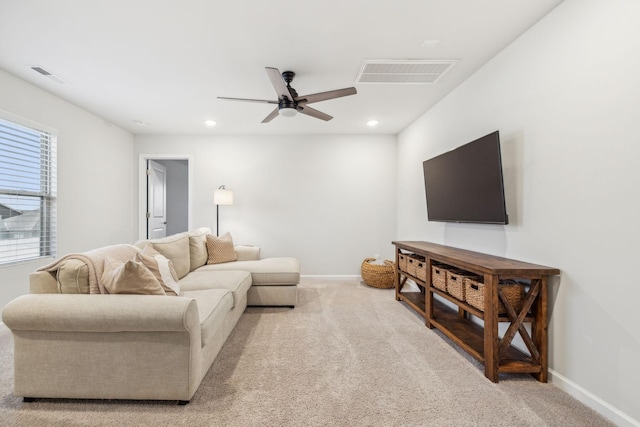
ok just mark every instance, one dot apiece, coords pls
pixel 27 192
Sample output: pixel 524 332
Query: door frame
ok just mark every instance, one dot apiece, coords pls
pixel 142 188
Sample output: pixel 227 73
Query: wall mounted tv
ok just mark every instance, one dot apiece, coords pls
pixel 466 185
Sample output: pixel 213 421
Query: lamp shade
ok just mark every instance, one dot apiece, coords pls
pixel 223 196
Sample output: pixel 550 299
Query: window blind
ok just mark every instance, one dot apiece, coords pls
pixel 28 170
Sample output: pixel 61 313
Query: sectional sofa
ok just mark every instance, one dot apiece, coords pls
pixel 72 341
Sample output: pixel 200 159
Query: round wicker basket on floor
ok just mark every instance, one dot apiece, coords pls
pixel 378 275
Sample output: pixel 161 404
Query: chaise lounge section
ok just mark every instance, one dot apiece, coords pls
pixel 70 343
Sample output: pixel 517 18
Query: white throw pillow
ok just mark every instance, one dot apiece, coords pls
pixel 162 269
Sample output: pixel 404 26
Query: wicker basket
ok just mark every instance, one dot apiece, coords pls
pixel 378 275
pixel 402 261
pixel 513 291
pixel 439 277
pixel 421 270
pixel 456 282
pixel 413 264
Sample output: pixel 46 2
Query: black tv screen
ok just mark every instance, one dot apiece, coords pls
pixel 465 184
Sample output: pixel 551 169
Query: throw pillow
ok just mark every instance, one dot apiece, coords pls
pixel 198 247
pixel 175 248
pixel 162 269
pixel 220 249
pixel 130 277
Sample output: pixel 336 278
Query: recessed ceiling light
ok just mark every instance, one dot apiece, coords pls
pixel 372 123
pixel 430 43
pixel 210 123
pixel 140 123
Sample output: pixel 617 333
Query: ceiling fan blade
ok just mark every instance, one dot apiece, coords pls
pixel 278 83
pixel 271 115
pixel 314 113
pixel 323 96
pixel 265 101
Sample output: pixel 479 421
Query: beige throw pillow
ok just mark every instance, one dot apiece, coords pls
pixel 220 249
pixel 129 277
pixel 175 248
pixel 198 247
pixel 162 269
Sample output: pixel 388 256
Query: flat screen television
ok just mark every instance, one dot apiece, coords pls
pixel 466 185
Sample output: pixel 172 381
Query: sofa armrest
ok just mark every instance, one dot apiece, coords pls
pixel 81 346
pixel 102 313
pixel 247 253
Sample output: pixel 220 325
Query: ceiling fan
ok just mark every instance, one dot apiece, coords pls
pixel 289 102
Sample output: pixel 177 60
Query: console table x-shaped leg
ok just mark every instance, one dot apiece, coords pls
pixel 535 302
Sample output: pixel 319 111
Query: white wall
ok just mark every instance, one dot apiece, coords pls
pixel 566 99
pixel 327 200
pixel 96 194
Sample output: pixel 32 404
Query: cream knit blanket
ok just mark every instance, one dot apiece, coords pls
pixel 95 263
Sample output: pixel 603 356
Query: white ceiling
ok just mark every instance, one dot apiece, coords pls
pixel 165 62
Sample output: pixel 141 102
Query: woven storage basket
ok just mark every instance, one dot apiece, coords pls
pixel 378 275
pixel 474 294
pixel 421 270
pixel 455 282
pixel 439 277
pixel 402 261
pixel 412 264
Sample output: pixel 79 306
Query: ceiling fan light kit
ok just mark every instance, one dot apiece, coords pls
pixel 287 111
pixel 289 103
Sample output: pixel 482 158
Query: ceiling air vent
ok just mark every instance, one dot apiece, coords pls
pixel 41 70
pixel 427 71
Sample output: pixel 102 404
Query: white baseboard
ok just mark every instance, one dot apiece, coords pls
pixel 330 276
pixel 611 413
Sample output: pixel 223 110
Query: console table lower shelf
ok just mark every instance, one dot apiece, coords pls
pixel 470 337
pixel 481 342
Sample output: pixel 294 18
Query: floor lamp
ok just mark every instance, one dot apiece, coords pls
pixel 222 196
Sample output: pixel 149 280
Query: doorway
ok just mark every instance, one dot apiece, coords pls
pixel 164 206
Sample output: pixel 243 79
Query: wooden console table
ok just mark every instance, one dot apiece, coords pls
pixel 483 343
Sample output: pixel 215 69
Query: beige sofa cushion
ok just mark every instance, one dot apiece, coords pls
pixel 175 248
pixel 267 271
pixel 247 252
pixel 198 247
pixel 73 277
pixel 130 277
pixel 220 249
pixel 43 282
pixel 213 306
pixel 238 282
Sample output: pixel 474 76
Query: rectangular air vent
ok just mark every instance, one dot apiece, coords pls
pixel 422 71
pixel 43 71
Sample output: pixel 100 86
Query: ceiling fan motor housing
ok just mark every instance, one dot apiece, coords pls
pixel 285 103
pixel 288 107
pixel 288 76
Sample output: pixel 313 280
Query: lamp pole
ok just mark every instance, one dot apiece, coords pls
pixel 217 216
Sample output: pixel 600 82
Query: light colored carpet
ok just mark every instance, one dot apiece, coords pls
pixel 347 355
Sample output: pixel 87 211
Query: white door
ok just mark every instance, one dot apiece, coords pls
pixel 156 200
